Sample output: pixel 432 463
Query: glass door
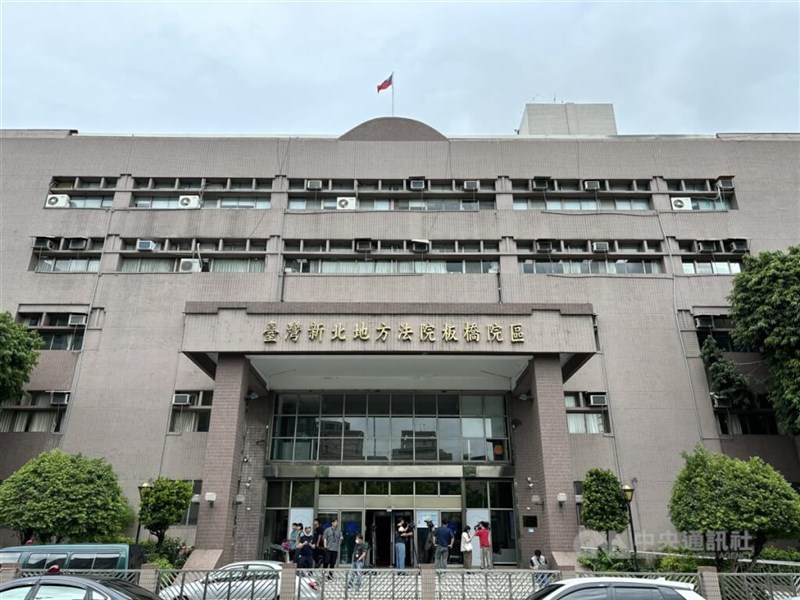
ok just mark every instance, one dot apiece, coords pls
pixel 352 523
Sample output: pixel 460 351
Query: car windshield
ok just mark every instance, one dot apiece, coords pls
pixel 545 591
pixel 128 589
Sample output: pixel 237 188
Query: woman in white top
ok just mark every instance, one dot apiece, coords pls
pixel 466 548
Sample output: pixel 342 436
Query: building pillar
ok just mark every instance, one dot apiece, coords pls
pixel 223 460
pixel 543 462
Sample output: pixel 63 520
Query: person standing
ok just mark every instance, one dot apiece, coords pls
pixel 331 541
pixel 294 536
pixel 402 535
pixel 305 549
pixel 319 553
pixel 359 556
pixel 429 543
pixel 443 539
pixel 539 563
pixel 484 536
pixel 466 548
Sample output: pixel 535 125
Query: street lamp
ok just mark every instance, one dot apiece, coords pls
pixel 142 487
pixel 627 491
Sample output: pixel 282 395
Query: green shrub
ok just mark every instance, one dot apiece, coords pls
pixel 677 564
pixel 616 560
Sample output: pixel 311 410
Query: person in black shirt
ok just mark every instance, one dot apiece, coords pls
pixel 305 546
pixel 319 552
pixel 359 555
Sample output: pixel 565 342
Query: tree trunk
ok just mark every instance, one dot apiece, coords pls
pixel 759 541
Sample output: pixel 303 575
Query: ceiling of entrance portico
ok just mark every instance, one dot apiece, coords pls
pixel 418 372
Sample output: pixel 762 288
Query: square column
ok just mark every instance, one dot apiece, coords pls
pixel 542 453
pixel 223 460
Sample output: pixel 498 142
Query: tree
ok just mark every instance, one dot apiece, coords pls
pixel 733 500
pixel 725 379
pixel 604 504
pixel 58 497
pixel 765 307
pixel 163 504
pixel 19 351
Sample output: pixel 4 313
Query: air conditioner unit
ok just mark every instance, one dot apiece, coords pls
pixel 719 401
pixel 472 185
pixel 57 201
pixel 544 246
pixel 59 399
pixel 417 185
pixel 145 245
pixel 578 498
pixel 600 246
pixel 598 400
pixel 540 184
pixel 681 203
pixel 420 246
pixel 78 243
pixel 704 322
pixel 738 246
pixel 314 185
pixel 190 265
pixel 346 203
pixel 725 184
pixel 270 471
pixel 364 245
pixel 706 246
pixel 44 243
pixel 290 270
pixel 181 399
pixel 76 320
pixel 591 185
pixel 188 201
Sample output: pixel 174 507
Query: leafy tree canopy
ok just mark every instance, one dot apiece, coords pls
pixel 163 504
pixel 720 494
pixel 19 351
pixel 725 379
pixel 58 497
pixel 765 307
pixel 604 504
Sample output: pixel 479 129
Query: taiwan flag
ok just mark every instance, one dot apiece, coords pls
pixel 385 84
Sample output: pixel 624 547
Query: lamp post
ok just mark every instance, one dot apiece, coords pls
pixel 142 487
pixel 627 491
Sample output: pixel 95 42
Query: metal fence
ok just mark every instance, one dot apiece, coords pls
pixel 492 584
pixel 126 575
pixel 759 586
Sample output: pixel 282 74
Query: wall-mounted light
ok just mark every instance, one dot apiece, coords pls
pixel 537 500
pixel 515 423
pixel 561 498
pixel 211 497
pixel 196 499
pixel 530 482
pixel 525 397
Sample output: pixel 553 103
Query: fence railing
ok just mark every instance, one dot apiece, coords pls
pixel 492 584
pixel 759 586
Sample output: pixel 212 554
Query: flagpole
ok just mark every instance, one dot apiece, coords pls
pixel 392 94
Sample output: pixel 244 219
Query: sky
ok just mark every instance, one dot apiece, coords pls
pixel 465 68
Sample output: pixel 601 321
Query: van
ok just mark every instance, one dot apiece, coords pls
pixel 94 557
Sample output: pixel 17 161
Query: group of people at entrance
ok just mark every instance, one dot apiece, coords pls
pixel 316 546
pixel 439 542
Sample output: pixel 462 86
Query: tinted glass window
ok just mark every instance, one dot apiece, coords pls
pixel 55 559
pixel 81 561
pixel 36 561
pixel 9 557
pixel 59 592
pixel 106 561
pixel 16 593
pixel 670 594
pixel 129 589
pixel 637 593
pixel 587 594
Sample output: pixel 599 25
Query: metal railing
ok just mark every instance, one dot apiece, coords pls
pixel 759 586
pixel 491 584
pixel 130 575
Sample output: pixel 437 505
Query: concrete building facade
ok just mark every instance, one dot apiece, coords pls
pixel 392 323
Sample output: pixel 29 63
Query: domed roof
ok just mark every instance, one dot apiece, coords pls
pixel 393 129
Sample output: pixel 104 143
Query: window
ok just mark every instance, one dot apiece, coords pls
pixel 591 267
pixel 385 204
pixel 194 416
pixel 585 417
pixel 246 202
pixel 189 516
pixel 37 412
pixel 51 264
pixel 706 267
pixel 410 266
pixel 62 341
pixel 156 202
pixel 91 201
pixel 718 327
pixel 581 204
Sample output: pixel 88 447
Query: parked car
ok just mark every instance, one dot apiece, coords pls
pixel 72 587
pixel 246 580
pixel 94 557
pixel 615 588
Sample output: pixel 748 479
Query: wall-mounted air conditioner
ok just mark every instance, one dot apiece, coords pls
pixel 472 185
pixel 600 246
pixel 314 185
pixel 59 399
pixel 598 400
pixel 346 203
pixel 719 401
pixel 416 185
pixel 578 498
pixel 188 201
pixel 44 243
pixel 540 184
pixel 420 246
pixel 145 245
pixel 681 203
pixel 181 399
pixel 544 246
pixel 725 184
pixel 57 201
pixel 364 245
pixel 738 246
pixel 76 320
pixel 704 322
pixel 190 265
pixel 706 246
pixel 78 244
pixel 591 185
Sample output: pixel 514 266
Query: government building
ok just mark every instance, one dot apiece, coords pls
pixel 390 323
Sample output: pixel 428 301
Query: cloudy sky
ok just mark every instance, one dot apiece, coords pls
pixel 463 67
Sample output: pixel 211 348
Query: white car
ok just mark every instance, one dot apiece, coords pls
pixel 246 580
pixel 616 588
